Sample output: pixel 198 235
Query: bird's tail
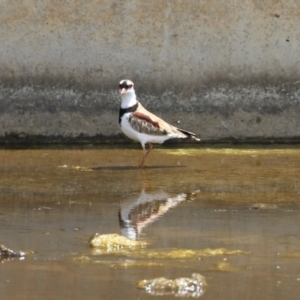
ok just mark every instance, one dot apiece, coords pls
pixel 189 134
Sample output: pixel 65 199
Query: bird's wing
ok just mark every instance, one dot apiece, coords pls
pixel 145 124
pixel 157 125
pixel 144 121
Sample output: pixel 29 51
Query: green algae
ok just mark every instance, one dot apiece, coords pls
pixel 229 151
pixel 290 255
pixel 118 264
pixel 114 242
pixel 189 254
pixel 225 266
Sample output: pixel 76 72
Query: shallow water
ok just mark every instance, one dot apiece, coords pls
pixel 243 200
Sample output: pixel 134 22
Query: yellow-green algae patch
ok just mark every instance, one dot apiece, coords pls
pixel 291 255
pixel 228 151
pixel 117 244
pixel 117 264
pixel 224 266
pixel 186 254
pixel 132 264
pixel 82 259
pixel 114 242
pixel 194 286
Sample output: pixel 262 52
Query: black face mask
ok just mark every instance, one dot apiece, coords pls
pixel 124 85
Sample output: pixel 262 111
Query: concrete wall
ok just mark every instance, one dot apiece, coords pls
pixel 225 69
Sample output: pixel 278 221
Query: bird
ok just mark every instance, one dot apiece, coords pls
pixel 139 124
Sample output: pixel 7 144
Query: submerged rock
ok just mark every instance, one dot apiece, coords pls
pixel 6 253
pixel 114 242
pixel 180 287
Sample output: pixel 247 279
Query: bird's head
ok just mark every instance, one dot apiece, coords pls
pixel 126 87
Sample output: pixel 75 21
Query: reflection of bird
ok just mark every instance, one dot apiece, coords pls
pixel 137 213
pixel 141 125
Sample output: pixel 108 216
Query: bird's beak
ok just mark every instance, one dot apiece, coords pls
pixel 123 91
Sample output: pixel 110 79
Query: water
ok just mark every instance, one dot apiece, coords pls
pixel 241 199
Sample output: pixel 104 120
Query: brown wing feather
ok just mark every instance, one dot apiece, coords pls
pixel 144 124
pixel 145 118
pixel 164 126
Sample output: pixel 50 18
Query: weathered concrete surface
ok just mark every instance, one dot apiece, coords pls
pixel 224 69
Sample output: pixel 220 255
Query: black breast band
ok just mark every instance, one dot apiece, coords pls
pixel 123 111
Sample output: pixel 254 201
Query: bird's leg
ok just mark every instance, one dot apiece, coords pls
pixel 145 154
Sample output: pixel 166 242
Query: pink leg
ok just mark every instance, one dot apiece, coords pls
pixel 145 154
